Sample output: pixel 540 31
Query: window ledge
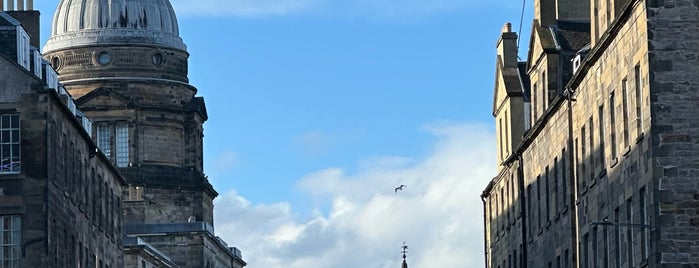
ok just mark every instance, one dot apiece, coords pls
pixel 12 176
pixel 627 151
pixel 640 137
pixel 615 161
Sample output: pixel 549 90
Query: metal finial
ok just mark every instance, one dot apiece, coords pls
pixel 405 250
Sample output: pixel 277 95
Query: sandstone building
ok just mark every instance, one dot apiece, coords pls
pixel 60 200
pixel 123 65
pixel 597 138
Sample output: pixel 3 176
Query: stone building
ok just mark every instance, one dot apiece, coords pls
pixel 597 138
pixel 121 64
pixel 60 200
pixel 126 65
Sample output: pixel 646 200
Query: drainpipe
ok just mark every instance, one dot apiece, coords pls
pixel 485 232
pixel 573 184
pixel 523 208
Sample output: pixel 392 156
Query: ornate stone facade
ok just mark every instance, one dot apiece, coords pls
pixel 126 65
pixel 604 174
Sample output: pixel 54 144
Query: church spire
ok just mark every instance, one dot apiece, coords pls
pixel 404 251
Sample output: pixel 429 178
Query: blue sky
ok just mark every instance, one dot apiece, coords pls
pixel 318 108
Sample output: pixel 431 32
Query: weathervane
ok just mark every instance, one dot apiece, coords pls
pixel 404 251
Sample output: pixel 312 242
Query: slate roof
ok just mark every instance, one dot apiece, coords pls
pixel 572 35
pixel 526 83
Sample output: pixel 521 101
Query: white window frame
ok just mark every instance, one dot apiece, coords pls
pixel 10 230
pixel 10 144
pixel 122 145
pixel 104 139
pixel 23 48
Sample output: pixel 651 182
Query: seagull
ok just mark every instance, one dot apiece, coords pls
pixel 400 188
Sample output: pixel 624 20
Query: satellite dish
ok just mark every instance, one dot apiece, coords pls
pixel 192 219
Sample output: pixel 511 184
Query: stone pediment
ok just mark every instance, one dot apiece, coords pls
pixel 104 97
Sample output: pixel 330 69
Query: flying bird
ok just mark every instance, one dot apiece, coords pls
pixel 400 188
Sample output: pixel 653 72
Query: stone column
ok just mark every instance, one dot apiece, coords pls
pixel 20 5
pixel 11 5
pixel 30 4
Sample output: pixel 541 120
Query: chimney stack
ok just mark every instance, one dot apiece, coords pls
pixel 28 17
pixel 507 47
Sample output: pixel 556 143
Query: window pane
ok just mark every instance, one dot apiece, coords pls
pixel 5 136
pixel 122 145
pixel 15 121
pixel 5 121
pixel 15 136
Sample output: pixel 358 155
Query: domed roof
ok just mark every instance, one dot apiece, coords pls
pixel 118 22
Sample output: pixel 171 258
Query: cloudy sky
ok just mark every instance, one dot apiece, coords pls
pixel 320 108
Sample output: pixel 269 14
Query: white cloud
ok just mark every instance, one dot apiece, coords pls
pixel 439 214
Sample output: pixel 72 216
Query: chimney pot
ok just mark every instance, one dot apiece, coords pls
pixel 507 28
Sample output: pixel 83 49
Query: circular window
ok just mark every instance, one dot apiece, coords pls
pixel 157 59
pixel 104 58
pixel 55 62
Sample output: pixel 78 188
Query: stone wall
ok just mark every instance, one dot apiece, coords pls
pixel 68 197
pixel 673 43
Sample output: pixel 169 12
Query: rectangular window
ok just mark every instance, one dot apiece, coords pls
pixel 583 156
pixel 538 199
pixel 502 208
pixel 612 122
pixel 639 100
pixel 564 178
pixel 625 110
pixel 10 153
pixel 548 194
pixel 534 103
pixel 122 146
pixel 605 249
pixel 592 150
pixel 558 261
pixel 629 232
pixel 508 206
pixel 10 242
pixel 601 156
pixel 586 251
pixel 23 48
pixel 566 263
pixel 530 210
pixel 594 246
pixel 544 92
pixel 104 139
pixel 556 201
pixel 507 135
pixel 617 239
pixel 643 215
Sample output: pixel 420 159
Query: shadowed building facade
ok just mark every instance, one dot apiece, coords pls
pixel 597 138
pixel 60 200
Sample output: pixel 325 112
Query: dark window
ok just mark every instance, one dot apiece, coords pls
pixel 612 121
pixel 625 110
pixel 639 100
pixel 601 156
pixel 10 241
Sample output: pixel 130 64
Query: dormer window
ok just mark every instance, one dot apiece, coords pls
pixel 23 55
